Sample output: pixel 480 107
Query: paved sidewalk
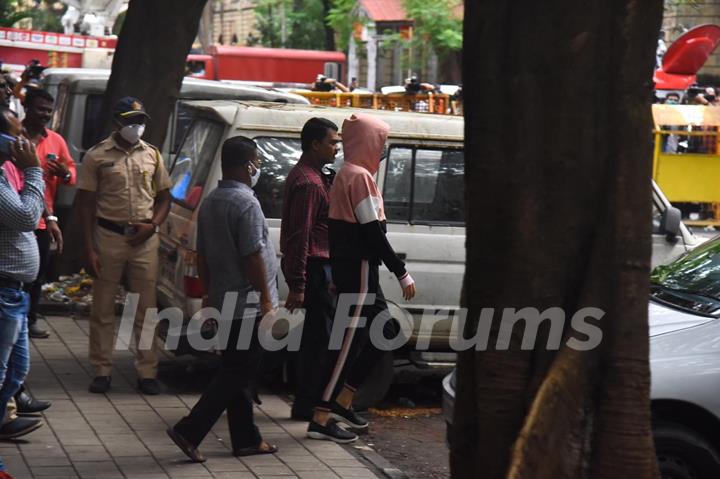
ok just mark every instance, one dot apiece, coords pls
pixel 122 434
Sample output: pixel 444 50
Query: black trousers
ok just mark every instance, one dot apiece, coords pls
pixel 34 289
pixel 228 391
pixel 311 358
pixel 358 354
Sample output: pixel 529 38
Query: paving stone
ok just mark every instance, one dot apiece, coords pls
pixel 59 472
pixel 354 472
pixel 122 434
pixel 317 475
pixel 271 470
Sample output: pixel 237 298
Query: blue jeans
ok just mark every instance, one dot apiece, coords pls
pixel 14 347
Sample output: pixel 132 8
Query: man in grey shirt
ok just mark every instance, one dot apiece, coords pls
pixel 19 256
pixel 235 255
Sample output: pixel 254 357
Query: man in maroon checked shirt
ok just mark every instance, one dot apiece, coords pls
pixel 306 256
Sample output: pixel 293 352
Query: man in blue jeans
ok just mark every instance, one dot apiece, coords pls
pixel 19 256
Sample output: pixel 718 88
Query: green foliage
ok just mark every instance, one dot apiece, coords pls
pixel 47 19
pixel 303 20
pixel 342 17
pixel 434 24
pixel 9 14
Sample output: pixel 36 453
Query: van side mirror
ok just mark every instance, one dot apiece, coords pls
pixel 670 223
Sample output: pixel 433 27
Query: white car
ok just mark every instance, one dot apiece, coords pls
pixel 684 316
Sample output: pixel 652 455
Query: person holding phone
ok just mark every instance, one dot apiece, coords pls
pixel 59 169
pixel 19 256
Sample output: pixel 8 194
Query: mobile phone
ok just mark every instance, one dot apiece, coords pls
pixel 51 157
pixel 6 143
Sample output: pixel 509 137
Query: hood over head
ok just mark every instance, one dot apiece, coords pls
pixel 364 138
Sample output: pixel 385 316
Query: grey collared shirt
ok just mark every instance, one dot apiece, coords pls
pixel 231 226
pixel 19 216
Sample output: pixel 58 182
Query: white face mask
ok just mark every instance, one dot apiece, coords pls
pixel 132 133
pixel 254 177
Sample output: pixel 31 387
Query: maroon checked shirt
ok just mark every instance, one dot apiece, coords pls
pixel 304 229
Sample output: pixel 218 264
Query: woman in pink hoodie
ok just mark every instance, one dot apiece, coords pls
pixel 358 245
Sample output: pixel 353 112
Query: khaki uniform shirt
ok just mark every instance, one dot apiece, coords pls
pixel 125 182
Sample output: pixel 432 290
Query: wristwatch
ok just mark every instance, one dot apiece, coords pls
pixel 67 177
pixel 157 228
pixel 51 218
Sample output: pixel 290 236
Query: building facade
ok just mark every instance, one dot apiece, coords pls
pixel 232 21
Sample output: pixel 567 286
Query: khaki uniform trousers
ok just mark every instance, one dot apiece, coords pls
pixel 140 264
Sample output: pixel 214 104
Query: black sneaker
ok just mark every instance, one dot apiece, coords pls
pixel 149 386
pixel 348 416
pixel 330 432
pixel 100 385
pixel 19 427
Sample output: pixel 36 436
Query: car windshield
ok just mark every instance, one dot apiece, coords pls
pixel 693 281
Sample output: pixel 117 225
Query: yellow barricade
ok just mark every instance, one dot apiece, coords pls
pixel 686 159
pixel 424 103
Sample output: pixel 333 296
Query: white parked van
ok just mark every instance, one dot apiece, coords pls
pixel 422 182
pixel 79 97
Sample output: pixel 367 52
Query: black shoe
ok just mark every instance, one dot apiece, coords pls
pixel 36 332
pixel 19 427
pixel 330 432
pixel 26 404
pixel 348 416
pixel 149 386
pixel 100 385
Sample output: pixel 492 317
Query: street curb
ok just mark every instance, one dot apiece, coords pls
pixel 366 453
pixel 380 463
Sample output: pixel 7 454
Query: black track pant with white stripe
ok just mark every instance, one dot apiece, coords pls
pixel 358 355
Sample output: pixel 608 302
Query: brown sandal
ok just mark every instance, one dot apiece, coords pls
pixel 262 448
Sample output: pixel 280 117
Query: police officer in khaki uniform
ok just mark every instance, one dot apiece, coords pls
pixel 123 193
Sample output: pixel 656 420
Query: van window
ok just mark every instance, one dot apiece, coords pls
pixel 192 164
pixel 93 123
pixel 425 186
pixel 60 107
pixel 183 119
pixel 277 157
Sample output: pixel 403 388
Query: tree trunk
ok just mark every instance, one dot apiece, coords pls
pixel 558 167
pixel 149 60
pixel 329 31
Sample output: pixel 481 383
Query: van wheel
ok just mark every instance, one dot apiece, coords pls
pixel 683 454
pixel 377 383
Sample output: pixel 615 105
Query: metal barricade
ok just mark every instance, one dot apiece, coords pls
pixel 686 159
pixel 424 103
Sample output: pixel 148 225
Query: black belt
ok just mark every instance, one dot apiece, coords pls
pixel 111 226
pixel 11 283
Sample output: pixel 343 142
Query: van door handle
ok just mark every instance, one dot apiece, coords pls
pixel 402 256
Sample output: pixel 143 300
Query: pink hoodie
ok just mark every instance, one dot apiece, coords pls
pixel 355 197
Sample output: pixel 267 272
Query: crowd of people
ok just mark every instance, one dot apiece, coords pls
pixel 333 239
